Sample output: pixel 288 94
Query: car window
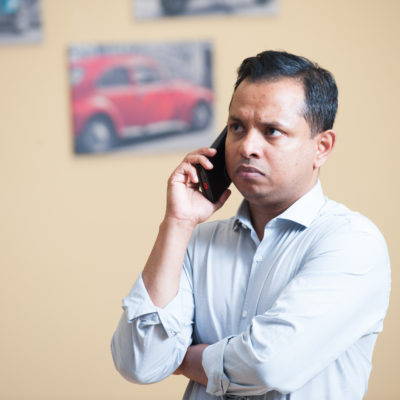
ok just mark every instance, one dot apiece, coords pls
pixel 114 77
pixel 144 75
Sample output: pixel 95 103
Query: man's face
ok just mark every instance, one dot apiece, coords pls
pixel 269 149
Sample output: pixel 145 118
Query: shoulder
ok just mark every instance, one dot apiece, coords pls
pixel 336 219
pixel 347 234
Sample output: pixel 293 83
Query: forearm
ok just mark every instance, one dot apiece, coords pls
pixel 162 271
pixel 291 342
pixel 192 367
pixel 156 328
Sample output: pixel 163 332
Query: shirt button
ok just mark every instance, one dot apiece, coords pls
pixel 244 314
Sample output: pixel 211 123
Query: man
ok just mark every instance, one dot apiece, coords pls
pixel 282 301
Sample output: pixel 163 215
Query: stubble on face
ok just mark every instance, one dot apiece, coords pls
pixel 269 148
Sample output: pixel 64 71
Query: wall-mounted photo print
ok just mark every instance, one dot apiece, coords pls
pixel 20 21
pixel 149 9
pixel 148 98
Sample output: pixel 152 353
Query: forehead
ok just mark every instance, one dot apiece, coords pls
pixel 281 96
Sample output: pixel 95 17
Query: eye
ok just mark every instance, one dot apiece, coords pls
pixel 271 131
pixel 235 127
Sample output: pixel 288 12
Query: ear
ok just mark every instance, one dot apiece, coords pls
pixel 325 141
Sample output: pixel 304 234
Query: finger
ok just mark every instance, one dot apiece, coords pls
pixel 187 167
pixel 205 151
pixel 186 173
pixel 201 159
pixel 192 175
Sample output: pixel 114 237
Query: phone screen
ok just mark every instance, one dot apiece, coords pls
pixel 215 181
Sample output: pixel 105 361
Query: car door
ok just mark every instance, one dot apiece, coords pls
pixel 115 86
pixel 154 98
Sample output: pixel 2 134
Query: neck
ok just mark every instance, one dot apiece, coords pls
pixel 260 216
pixel 261 213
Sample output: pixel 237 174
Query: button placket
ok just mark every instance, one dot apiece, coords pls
pixel 247 304
pixel 257 273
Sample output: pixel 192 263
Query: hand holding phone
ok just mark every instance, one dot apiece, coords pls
pixel 215 181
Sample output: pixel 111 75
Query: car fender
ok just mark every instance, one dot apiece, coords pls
pixel 200 94
pixel 86 108
pixel 193 95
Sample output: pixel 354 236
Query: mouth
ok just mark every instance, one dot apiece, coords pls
pixel 248 171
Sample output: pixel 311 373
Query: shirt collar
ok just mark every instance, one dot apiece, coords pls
pixel 243 216
pixel 303 211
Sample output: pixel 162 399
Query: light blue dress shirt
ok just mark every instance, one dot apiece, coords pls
pixel 295 316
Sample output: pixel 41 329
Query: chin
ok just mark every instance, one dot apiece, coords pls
pixel 251 187
pixel 254 196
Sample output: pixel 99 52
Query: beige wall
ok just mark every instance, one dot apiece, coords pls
pixel 75 232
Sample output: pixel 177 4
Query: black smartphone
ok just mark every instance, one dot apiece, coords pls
pixel 213 182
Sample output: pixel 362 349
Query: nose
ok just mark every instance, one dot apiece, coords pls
pixel 250 146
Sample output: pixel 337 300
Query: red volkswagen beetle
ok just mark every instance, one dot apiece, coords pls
pixel 124 96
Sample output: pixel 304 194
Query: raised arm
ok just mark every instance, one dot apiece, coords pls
pixel 186 207
pixel 155 330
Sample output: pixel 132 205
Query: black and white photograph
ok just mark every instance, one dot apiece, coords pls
pixel 20 21
pixel 141 97
pixel 151 9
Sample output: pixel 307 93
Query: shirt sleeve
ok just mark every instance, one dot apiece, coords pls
pixel 340 294
pixel 150 342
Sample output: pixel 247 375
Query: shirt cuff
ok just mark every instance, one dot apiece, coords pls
pixel 213 364
pixel 138 305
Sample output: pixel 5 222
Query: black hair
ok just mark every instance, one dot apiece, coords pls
pixel 320 90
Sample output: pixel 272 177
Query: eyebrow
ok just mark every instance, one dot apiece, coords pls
pixel 266 124
pixel 233 118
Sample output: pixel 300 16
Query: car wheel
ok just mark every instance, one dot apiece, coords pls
pixel 173 7
pixel 22 18
pixel 201 116
pixel 98 136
